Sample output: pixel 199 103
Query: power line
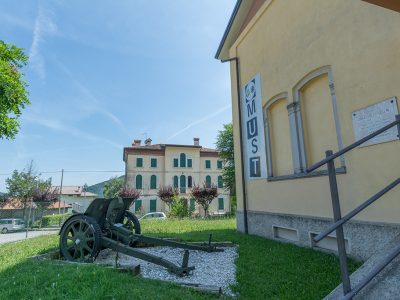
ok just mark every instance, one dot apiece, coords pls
pixel 98 171
pixel 72 171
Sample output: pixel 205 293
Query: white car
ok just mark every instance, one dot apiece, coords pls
pixel 154 216
pixel 8 225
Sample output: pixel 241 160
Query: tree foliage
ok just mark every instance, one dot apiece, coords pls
pixel 204 195
pixel 13 93
pixel 44 194
pixel 113 187
pixel 167 194
pixel 3 200
pixel 26 186
pixel 225 147
pixel 21 185
pixel 131 193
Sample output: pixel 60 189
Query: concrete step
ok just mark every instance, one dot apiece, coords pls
pixel 385 286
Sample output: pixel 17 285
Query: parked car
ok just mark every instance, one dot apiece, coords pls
pixel 154 216
pixel 8 225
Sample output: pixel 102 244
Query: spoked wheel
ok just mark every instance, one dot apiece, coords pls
pixel 80 239
pixel 131 222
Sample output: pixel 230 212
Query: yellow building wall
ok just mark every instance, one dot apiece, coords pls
pixel 287 40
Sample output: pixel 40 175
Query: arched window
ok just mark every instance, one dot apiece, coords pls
pixel 139 182
pixel 277 136
pixel 183 184
pixel 182 160
pixel 208 181
pixel 190 182
pixel 153 182
pixel 220 182
pixel 176 181
pixel 314 96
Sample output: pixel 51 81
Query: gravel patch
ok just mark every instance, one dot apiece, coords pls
pixel 214 269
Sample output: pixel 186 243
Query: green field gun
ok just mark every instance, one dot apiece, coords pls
pixel 108 223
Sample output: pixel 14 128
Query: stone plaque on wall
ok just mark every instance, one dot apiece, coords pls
pixel 371 118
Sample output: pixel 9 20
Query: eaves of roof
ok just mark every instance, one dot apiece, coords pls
pixel 228 29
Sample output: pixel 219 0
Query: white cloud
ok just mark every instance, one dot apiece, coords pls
pixel 199 121
pixel 59 126
pixel 44 25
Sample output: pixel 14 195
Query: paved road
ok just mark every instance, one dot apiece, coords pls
pixel 16 236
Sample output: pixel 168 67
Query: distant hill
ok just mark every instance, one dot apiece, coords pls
pixel 99 187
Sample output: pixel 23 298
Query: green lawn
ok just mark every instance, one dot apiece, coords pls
pixel 265 269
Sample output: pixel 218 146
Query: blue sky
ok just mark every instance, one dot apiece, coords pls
pixel 102 73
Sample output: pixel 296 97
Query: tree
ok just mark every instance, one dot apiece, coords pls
pixel 26 186
pixel 43 196
pixel 3 200
pixel 21 186
pixel 130 193
pixel 167 194
pixel 225 148
pixel 13 93
pixel 204 196
pixel 113 186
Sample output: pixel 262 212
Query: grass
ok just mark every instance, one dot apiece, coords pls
pixel 265 269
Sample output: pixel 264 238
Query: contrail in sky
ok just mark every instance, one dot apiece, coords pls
pixel 43 25
pixel 201 120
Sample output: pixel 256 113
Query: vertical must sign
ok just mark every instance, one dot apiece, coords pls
pixel 254 144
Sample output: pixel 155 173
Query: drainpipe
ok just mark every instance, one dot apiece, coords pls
pixel 246 227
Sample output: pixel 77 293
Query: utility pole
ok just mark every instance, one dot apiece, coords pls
pixel 59 196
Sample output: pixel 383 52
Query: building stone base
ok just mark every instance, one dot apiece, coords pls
pixel 363 239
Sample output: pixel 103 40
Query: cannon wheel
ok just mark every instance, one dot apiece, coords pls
pixel 131 222
pixel 80 239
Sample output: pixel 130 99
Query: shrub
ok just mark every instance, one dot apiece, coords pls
pixel 52 220
pixel 179 208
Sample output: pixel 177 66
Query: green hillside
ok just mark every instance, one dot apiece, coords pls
pixel 99 187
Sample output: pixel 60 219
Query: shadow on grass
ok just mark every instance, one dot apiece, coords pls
pixel 45 280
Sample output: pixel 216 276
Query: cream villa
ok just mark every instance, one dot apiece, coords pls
pixel 147 167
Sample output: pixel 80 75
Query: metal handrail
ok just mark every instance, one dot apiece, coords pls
pixel 338 220
pixel 355 144
pixel 375 271
pixel 355 211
